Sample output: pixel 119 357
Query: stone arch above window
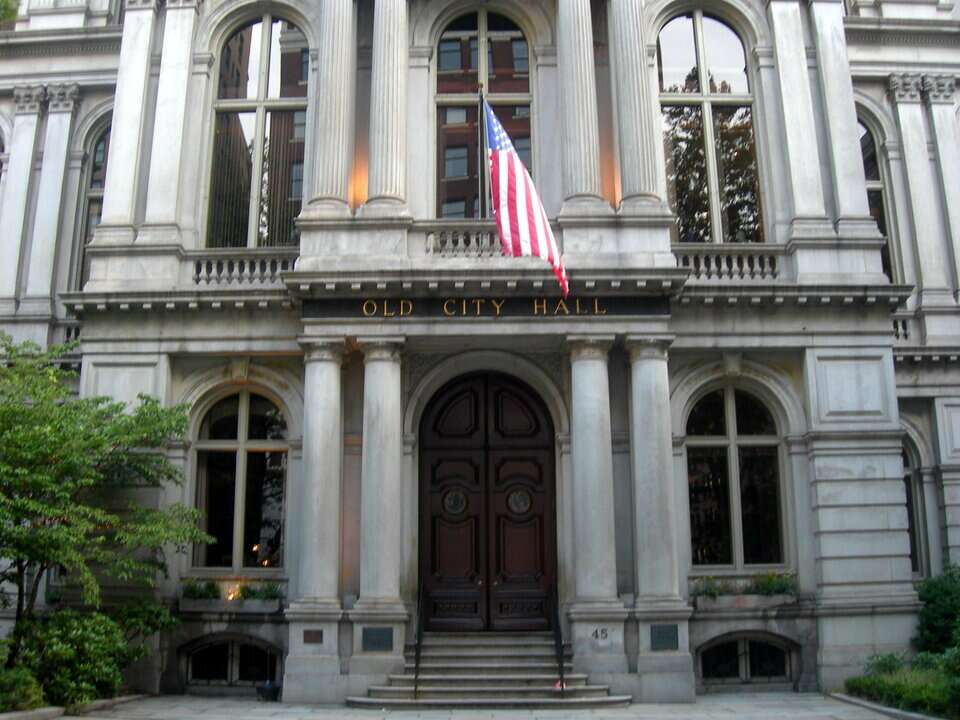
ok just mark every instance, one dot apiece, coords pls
pixel 748 658
pixel 231 661
pixel 94 175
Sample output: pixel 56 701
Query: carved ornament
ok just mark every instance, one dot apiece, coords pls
pixel 63 98
pixel 905 87
pixel 29 99
pixel 939 88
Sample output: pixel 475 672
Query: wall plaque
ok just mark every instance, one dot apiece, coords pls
pixel 313 637
pixel 377 639
pixel 664 637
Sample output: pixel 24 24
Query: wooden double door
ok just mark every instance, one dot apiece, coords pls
pixel 487 507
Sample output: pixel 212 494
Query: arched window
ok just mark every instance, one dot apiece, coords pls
pixel 733 466
pixel 876 193
pixel 485 49
pixel 746 660
pixel 92 203
pixel 712 179
pixel 913 490
pixel 241 477
pixel 260 118
pixel 232 663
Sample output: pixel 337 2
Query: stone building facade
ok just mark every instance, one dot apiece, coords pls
pixel 271 211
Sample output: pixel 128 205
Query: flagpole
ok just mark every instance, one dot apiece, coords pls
pixel 481 156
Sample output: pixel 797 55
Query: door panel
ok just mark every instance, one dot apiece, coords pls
pixel 488 555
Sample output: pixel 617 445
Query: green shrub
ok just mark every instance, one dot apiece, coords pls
pixel 884 664
pixel 940 612
pixel 77 658
pixel 924 691
pixel 950 663
pixel 711 587
pixel 927 661
pixel 209 590
pixel 261 591
pixel 140 620
pixel 772 583
pixel 19 690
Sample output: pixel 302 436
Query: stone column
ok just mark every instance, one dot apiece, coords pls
pixel 315 615
pixel 950 479
pixel 127 129
pixel 929 484
pixel 162 214
pixel 665 670
pixel 46 225
pixel 846 166
pixel 578 88
pixel 803 157
pixel 22 147
pixel 335 101
pixel 597 616
pixel 379 615
pixel 639 138
pixel 939 93
pixel 388 111
pixel 934 258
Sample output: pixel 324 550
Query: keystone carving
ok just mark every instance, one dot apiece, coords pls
pixel 62 98
pixel 29 99
pixel 939 88
pixel 906 87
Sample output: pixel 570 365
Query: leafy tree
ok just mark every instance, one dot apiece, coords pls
pixel 68 467
pixel 8 10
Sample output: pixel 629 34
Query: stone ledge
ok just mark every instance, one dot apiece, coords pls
pixel 882 709
pixel 46 713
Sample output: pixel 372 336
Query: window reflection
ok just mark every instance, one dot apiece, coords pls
pixel 93 193
pixel 677 56
pixel 687 186
pixel 876 193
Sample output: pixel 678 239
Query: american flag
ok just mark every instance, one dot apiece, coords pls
pixel 521 220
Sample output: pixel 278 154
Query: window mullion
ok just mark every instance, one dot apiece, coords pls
pixel 256 184
pixel 482 69
pixel 713 173
pixel 240 485
pixel 733 469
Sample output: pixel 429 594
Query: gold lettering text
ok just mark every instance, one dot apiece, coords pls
pixel 597 309
pixel 580 310
pixel 387 312
pixel 540 306
pixel 406 308
pixel 369 308
pixel 497 305
pixel 561 308
pixel 447 304
pixel 478 303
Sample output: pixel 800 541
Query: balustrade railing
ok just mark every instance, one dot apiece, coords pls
pixel 731 262
pixel 224 268
pixel 472 239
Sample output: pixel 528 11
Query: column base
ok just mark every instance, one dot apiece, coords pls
pixel 379 637
pixel 159 234
pixel 384 208
pixel 114 234
pixel 664 663
pixel 585 206
pixel 326 209
pixel 645 206
pixel 597 634
pixel 862 228
pixel 312 670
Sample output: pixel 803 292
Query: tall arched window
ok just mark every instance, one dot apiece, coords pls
pixel 733 466
pixel 241 477
pixel 876 193
pixel 92 203
pixel 485 49
pixel 707 107
pixel 913 491
pixel 260 118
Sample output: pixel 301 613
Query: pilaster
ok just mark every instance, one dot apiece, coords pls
pixel 13 212
pixel 947 414
pixel 124 165
pixel 61 103
pixel 162 216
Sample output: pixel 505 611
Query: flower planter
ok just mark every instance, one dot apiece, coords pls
pixel 229 606
pixel 742 602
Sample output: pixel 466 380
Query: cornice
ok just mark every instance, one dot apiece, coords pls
pixel 84 304
pixel 60 42
pixel 895 31
pixel 786 295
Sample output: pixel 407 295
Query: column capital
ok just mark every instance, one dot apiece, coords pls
pixel 939 89
pixel 647 348
pixel 589 347
pixel 323 349
pixel 28 99
pixel 62 98
pixel 381 349
pixel 905 87
pixel 184 5
pixel 142 5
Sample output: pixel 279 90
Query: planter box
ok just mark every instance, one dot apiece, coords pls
pixel 743 602
pixel 230 606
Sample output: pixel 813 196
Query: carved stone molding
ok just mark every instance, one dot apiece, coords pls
pixel 939 88
pixel 143 4
pixel 323 349
pixel 589 347
pixel 905 87
pixel 385 349
pixel 29 99
pixel 63 98
pixel 195 4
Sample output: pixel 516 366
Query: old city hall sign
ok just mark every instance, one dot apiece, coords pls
pixel 484 307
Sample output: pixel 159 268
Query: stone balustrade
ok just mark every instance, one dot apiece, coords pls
pixel 469 238
pixel 238 268
pixel 734 263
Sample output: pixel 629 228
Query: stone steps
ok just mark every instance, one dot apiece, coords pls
pixel 572 679
pixel 465 692
pixel 502 703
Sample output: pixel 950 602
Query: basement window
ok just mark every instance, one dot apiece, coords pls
pixel 745 661
pixel 231 664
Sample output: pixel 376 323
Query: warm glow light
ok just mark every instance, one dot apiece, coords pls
pixel 233 593
pixel 256 548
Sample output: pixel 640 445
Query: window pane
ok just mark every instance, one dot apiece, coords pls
pixel 239 64
pixel 677 56
pixel 211 664
pixel 94 214
pixel 709 506
pixel 216 485
pixel 266 420
pixel 522 146
pixel 708 416
pixel 257 665
pixel 508 56
pixel 458 184
pixel 263 514
pixel 912 522
pixel 687 189
pixel 287 76
pixel 280 195
pixel 220 422
pixel 737 172
pixel 726 61
pixel 753 418
pixel 230 185
pixel 877 211
pixel 721 662
pixel 455 115
pixel 98 163
pixel 760 505
pixel 868 148
pixel 457 56
pixel 767 661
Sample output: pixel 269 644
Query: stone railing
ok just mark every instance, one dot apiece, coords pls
pixel 468 238
pixel 234 268
pixel 732 262
pixel 905 329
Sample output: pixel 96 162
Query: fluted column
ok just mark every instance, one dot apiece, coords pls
pixel 127 146
pixel 61 102
pixel 166 158
pixel 639 140
pixel 335 101
pixel 846 160
pixel 581 134
pixel 22 147
pixel 939 92
pixel 388 110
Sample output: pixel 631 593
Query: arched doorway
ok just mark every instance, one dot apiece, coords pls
pixel 487 506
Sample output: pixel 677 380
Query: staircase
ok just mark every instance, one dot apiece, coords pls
pixel 488 670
